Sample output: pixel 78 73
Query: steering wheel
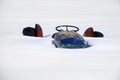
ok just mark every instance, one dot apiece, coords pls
pixel 59 28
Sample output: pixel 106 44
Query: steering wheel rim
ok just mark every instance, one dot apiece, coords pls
pixel 67 26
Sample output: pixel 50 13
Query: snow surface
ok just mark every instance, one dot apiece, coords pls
pixel 30 58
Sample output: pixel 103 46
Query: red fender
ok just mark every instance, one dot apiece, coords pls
pixel 89 32
pixel 39 30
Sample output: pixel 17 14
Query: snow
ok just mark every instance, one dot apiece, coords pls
pixel 31 58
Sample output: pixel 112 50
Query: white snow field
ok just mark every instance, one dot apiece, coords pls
pixel 32 58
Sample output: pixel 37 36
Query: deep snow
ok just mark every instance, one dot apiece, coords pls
pixel 31 58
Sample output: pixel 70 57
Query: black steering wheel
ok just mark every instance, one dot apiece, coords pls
pixel 59 28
